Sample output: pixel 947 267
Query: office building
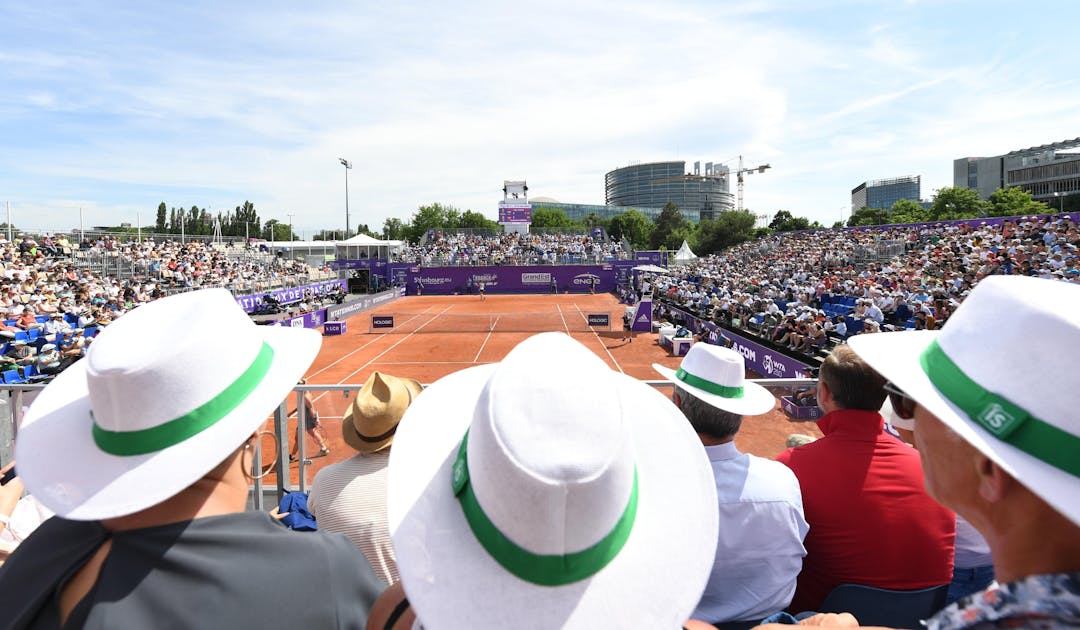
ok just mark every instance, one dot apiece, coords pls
pixel 883 193
pixel 1051 173
pixel 698 195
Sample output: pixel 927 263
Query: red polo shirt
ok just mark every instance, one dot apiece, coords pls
pixel 871 521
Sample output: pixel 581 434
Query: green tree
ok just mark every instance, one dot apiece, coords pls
pixel 837 224
pixel 670 228
pixel 957 202
pixel 1014 202
pixel 868 216
pixel 544 217
pixel 908 211
pixel 730 227
pixel 784 221
pixel 634 226
pixel 471 219
pixel 431 217
pixel 161 211
pixel 393 229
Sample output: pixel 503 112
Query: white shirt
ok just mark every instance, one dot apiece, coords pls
pixel 759 548
pixel 349 498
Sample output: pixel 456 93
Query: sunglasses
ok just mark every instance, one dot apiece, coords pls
pixel 902 404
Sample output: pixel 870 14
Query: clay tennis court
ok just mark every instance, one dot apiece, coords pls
pixel 436 335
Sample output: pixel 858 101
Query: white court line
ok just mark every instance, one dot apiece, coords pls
pixel 602 344
pixel 483 345
pixel 564 325
pixel 349 354
pixel 396 343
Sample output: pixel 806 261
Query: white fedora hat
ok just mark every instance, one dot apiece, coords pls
pixel 717 375
pixel 1000 374
pixel 548 491
pixel 157 402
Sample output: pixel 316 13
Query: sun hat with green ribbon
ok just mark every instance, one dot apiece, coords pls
pixel 1001 373
pixel 163 395
pixel 549 491
pixel 717 375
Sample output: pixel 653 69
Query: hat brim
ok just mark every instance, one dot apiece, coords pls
pixel 352 436
pixel 756 400
pixel 895 356
pixel 65 470
pixel 444 568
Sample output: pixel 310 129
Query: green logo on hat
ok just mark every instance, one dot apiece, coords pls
pixel 997 419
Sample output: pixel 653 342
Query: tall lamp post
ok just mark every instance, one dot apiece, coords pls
pixel 1061 202
pixel 348 166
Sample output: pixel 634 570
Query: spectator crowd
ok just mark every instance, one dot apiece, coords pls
pixel 54 296
pixel 807 290
pixel 446 249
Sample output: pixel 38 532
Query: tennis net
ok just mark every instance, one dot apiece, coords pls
pixel 573 321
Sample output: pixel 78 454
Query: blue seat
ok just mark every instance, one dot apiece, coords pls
pixel 12 377
pixel 41 319
pixel 883 607
pixel 20 335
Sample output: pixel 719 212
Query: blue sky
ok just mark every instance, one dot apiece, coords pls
pixel 113 107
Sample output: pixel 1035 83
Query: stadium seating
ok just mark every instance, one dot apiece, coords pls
pixel 883 607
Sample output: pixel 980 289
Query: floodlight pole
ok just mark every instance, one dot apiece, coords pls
pixel 348 166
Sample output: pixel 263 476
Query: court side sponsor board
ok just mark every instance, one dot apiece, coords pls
pixel 382 321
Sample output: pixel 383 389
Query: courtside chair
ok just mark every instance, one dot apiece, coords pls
pixel 12 377
pixel 883 607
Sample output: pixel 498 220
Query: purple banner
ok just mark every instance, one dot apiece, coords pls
pixel 313 319
pixel 642 317
pixel 287 296
pixel 525 279
pixel 653 256
pixel 334 328
pixel 764 360
pixel 375 265
pixel 368 302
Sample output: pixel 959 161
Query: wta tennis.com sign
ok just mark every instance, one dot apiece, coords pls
pixel 536 278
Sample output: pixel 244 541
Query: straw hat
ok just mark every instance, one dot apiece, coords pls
pixel 145 414
pixel 371 421
pixel 584 485
pixel 717 375
pixel 986 376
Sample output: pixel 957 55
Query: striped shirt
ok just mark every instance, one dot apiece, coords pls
pixel 349 497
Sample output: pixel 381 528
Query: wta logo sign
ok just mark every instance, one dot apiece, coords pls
pixel 775 368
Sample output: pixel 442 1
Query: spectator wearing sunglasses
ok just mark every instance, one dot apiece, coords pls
pixel 999 438
pixel 871 520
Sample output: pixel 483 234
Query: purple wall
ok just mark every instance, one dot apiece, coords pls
pixel 764 360
pixel 251 302
pixel 524 279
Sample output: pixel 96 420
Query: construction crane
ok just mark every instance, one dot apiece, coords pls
pixel 747 171
pixel 738 174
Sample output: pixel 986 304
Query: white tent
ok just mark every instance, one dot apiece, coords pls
pixel 684 255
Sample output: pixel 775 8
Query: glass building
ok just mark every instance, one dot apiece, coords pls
pixel 883 193
pixel 653 185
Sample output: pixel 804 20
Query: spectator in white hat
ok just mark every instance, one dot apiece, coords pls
pixel 760 545
pixel 548 491
pixel 144 450
pixel 1000 440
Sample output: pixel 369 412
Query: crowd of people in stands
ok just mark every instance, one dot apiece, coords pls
pixel 807 290
pixel 54 296
pixel 443 249
pixel 606 506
